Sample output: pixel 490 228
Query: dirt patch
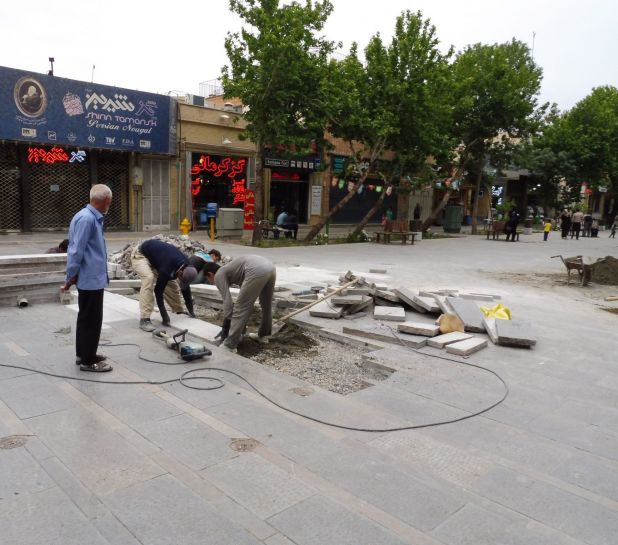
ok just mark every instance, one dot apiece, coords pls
pixel 606 272
pixel 611 310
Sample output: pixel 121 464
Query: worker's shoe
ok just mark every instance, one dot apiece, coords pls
pixel 257 338
pixel 146 325
pixel 229 348
pixel 101 367
pixel 98 358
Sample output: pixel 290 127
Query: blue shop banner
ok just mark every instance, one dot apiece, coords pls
pixel 58 111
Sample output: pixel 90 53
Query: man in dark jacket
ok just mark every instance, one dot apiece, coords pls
pixel 161 268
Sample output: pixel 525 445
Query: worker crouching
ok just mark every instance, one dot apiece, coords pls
pixel 165 273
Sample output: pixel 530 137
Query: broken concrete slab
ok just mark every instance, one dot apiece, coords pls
pixel 509 332
pixel 388 295
pixel 392 314
pixel 325 309
pixel 344 300
pixel 441 301
pixel 407 296
pixel 354 309
pixel 467 347
pixel 428 303
pixel 469 313
pixel 432 293
pixel 419 328
pixel 477 296
pixel 365 290
pixel 448 338
pixel 385 334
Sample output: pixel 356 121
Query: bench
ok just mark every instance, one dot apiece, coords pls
pixel 268 227
pixel 395 228
pixel 497 228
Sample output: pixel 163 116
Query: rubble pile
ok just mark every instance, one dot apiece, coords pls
pixel 119 263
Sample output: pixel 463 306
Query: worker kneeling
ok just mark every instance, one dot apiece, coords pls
pixel 256 277
pixel 164 270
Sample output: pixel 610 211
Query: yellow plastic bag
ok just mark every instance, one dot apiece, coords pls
pixel 500 312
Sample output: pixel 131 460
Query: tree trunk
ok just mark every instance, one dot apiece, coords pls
pixel 434 213
pixel 371 213
pixel 319 226
pixel 475 206
pixel 259 196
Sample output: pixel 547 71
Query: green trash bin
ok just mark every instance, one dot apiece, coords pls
pixel 453 216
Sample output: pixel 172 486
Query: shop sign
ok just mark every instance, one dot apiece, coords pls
pixel 249 216
pixel 208 168
pixel 316 200
pixel 41 108
pixel 299 163
pixel 55 155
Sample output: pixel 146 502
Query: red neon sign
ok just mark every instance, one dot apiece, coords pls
pixel 249 216
pixel 42 155
pixel 227 166
pixel 238 190
pixel 294 176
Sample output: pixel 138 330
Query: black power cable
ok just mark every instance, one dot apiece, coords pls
pixel 185 378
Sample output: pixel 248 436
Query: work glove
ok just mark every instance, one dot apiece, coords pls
pixel 165 318
pixel 225 330
pixel 189 303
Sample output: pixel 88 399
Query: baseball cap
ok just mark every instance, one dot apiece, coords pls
pixel 188 276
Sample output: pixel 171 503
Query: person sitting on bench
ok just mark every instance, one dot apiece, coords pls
pixel 288 222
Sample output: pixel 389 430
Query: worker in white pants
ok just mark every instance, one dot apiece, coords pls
pixel 256 277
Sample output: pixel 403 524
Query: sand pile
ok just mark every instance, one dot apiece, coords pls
pixel 606 272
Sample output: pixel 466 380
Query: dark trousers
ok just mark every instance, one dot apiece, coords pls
pixel 89 322
pixel 575 228
pixel 545 235
pixel 565 231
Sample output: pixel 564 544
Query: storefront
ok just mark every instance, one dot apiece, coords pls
pixel 61 136
pixel 365 198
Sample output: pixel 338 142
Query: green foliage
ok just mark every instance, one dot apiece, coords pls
pixel 362 236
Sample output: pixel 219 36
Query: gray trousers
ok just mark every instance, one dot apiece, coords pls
pixel 262 286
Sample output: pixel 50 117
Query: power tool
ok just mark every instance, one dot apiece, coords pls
pixel 188 350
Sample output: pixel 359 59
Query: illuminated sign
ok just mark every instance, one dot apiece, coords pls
pixel 293 176
pixel 55 155
pixel 249 216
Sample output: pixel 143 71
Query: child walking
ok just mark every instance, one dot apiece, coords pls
pixel 546 228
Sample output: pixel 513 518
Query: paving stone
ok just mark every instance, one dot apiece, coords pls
pixel 33 395
pixel 428 303
pixel 258 485
pixel 407 296
pixel 448 338
pixel 467 347
pixel 349 299
pixel 373 478
pixel 515 333
pixel 320 521
pixel 47 517
pixel 388 296
pixel 148 509
pixel 386 334
pixel 419 328
pixel 477 296
pixel 469 313
pixel 325 309
pixel 359 291
pixel 20 474
pixel 591 522
pixel 366 305
pixel 392 314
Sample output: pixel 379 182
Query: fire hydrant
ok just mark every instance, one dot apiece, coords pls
pixel 185 226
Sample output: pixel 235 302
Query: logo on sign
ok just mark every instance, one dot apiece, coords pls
pixel 144 144
pixel 72 137
pixel 30 97
pixel 91 138
pixel 118 102
pixel 127 142
pixel 72 104
pixel 29 133
pixel 110 140
pixel 77 156
pixel 51 135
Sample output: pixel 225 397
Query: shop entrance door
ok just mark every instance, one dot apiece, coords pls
pixel 156 194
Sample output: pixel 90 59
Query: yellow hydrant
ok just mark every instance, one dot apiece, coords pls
pixel 185 226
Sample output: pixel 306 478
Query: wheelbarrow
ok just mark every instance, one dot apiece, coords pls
pixel 577 263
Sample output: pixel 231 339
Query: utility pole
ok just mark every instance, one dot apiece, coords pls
pixel 533 38
pixel 92 77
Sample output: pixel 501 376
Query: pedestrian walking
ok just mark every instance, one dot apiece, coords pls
pixel 256 277
pixel 612 233
pixel 87 268
pixel 546 228
pixel 565 223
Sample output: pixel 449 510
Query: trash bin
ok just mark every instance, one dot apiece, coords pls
pixel 453 215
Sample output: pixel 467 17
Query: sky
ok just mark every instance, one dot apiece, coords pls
pixel 171 47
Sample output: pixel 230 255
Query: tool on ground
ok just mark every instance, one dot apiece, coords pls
pixel 278 324
pixel 577 263
pixel 188 350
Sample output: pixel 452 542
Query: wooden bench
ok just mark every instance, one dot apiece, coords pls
pixel 268 227
pixel 497 228
pixel 396 228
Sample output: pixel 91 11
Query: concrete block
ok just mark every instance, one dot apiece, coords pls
pixel 448 338
pixel 366 305
pixel 326 309
pixel 388 296
pixel 428 303
pixel 477 296
pixel 385 334
pixel 407 296
pixel 418 328
pixel 355 316
pixel 384 303
pixel 469 313
pixel 125 283
pixel 393 314
pixel 509 332
pixel 366 290
pixel 467 347
pixel 344 300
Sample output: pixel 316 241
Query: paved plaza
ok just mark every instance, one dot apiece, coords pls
pixel 162 464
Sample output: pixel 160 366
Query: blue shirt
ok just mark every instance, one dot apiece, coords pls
pixel 282 218
pixel 87 252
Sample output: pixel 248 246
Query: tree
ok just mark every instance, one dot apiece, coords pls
pixel 495 89
pixel 277 67
pixel 395 101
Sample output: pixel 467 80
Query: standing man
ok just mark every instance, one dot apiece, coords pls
pixel 576 223
pixel 87 267
pixel 161 268
pixel 256 277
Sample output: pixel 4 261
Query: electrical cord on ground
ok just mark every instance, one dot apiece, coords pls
pixel 185 378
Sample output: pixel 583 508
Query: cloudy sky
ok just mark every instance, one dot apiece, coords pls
pixel 174 46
